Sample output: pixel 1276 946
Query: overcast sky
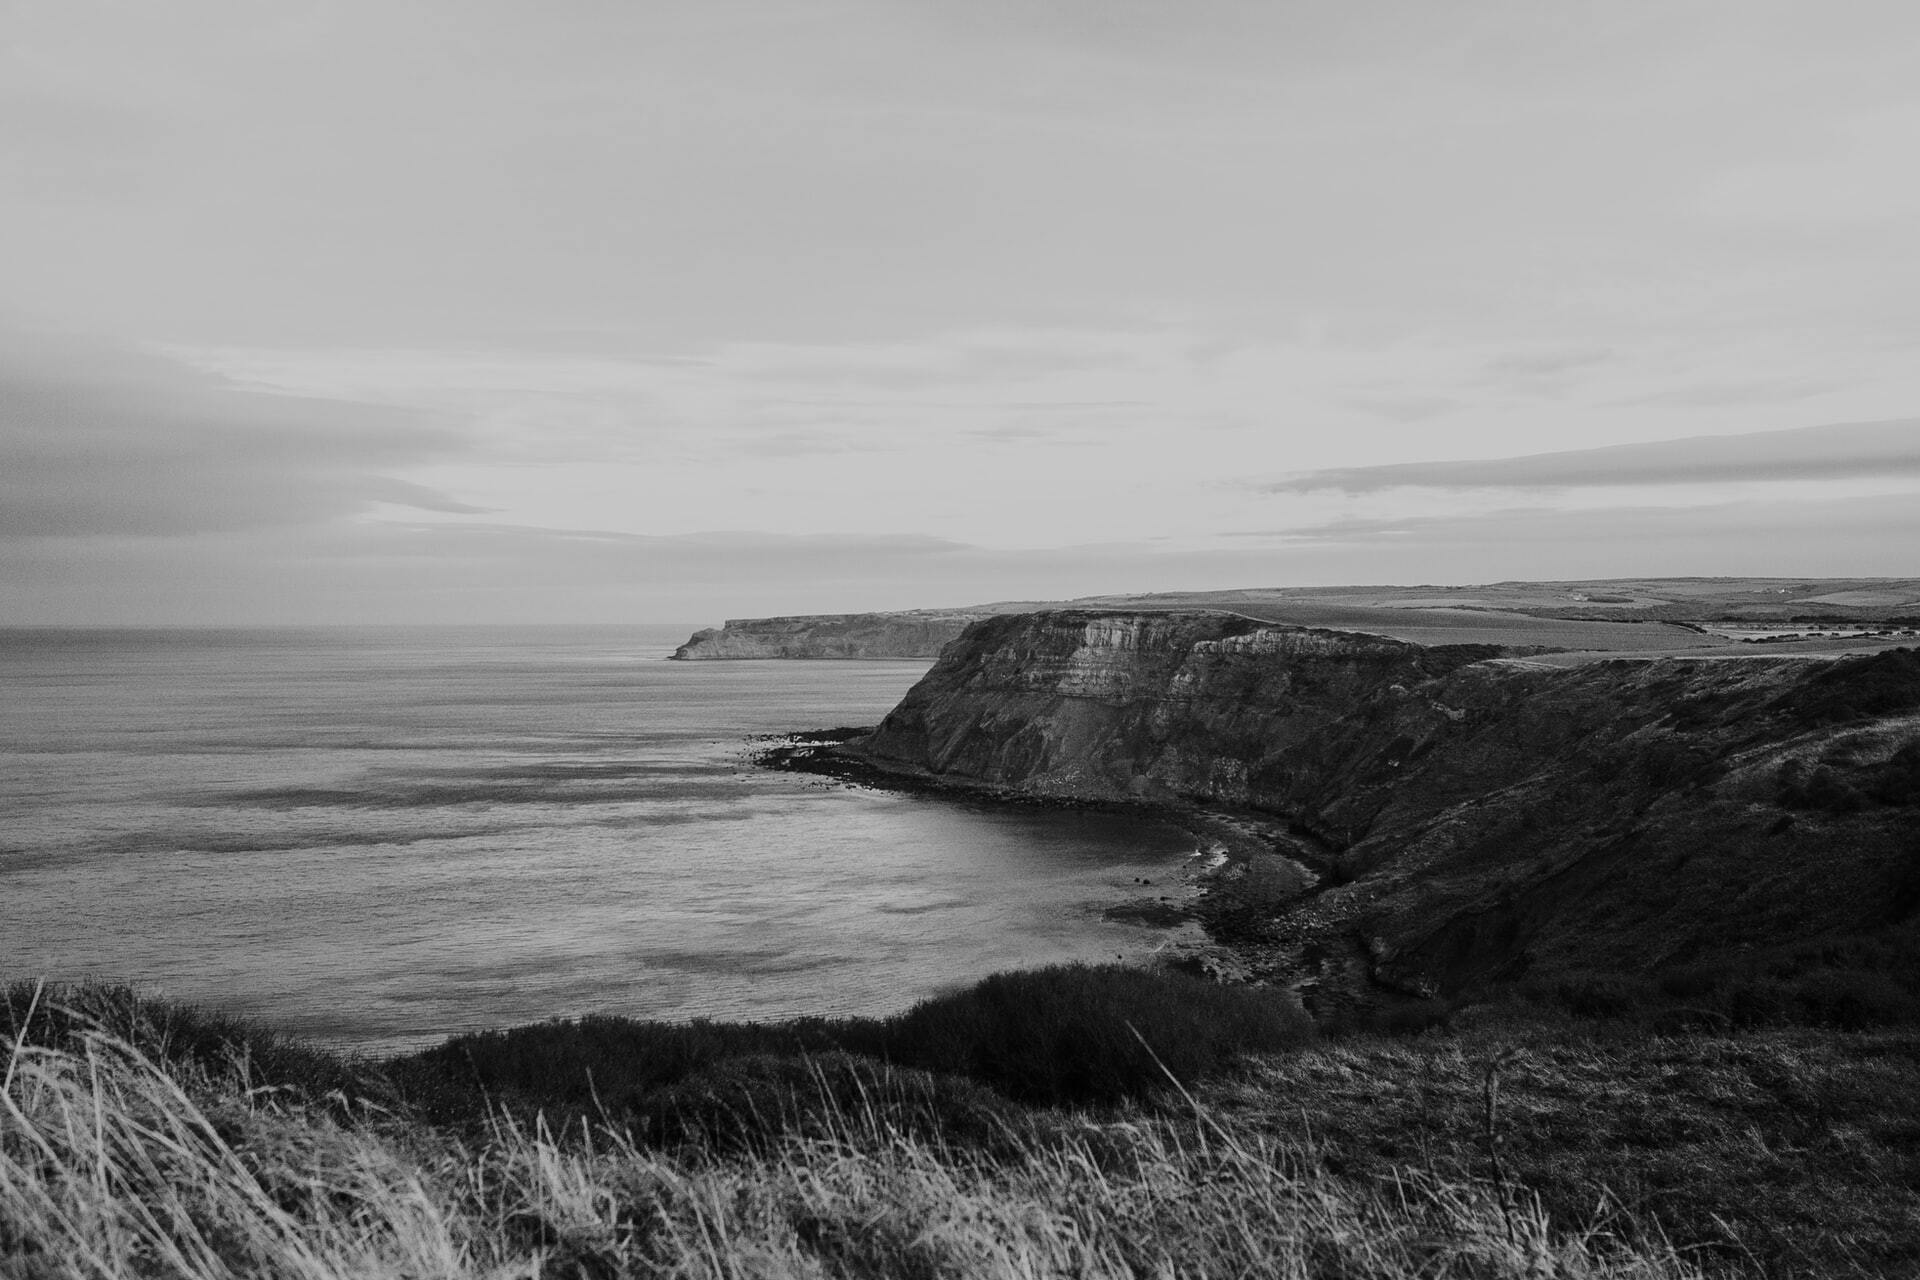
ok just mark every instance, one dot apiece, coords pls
pixel 672 311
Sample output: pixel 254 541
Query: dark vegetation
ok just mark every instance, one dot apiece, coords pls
pixel 1758 1146
pixel 1851 983
pixel 751 1103
pixel 1880 684
pixel 1071 1035
pixel 1895 781
pixel 1785 1152
pixel 1061 1036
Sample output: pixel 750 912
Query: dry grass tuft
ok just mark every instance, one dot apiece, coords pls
pixel 1785 1152
pixel 113 1165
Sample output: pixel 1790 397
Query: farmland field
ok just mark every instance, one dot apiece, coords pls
pixel 1650 617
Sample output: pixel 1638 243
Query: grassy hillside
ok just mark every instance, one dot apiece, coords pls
pixel 1589 619
pixel 145 1139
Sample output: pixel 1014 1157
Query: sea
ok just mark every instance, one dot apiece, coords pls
pixel 377 838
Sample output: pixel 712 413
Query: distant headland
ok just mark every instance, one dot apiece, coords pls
pixel 913 633
pixel 1605 616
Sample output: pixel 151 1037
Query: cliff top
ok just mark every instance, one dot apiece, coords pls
pixel 1644 617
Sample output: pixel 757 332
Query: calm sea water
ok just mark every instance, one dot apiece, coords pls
pixel 381 837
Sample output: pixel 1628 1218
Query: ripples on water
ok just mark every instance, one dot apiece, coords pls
pixel 381 837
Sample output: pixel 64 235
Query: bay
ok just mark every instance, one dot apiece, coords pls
pixel 380 837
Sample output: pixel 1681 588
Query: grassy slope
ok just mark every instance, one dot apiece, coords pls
pixel 1788 1151
pixel 1780 1151
pixel 1668 599
pixel 1590 617
pixel 111 1168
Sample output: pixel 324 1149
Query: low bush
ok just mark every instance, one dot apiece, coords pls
pixel 1880 684
pixel 1899 778
pixel 1093 1034
pixel 1823 789
pixel 588 1067
pixel 1073 1035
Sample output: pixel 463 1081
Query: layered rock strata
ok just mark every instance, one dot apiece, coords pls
pixel 1467 817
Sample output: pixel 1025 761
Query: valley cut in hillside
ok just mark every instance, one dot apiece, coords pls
pixel 1463 817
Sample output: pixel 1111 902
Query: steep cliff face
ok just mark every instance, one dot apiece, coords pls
pixel 1471 817
pixel 915 634
pixel 1151 705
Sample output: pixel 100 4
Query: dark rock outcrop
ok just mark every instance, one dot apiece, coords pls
pixel 1469 817
pixel 919 633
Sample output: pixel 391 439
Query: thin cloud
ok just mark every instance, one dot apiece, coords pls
pixel 103 440
pixel 492 542
pixel 403 493
pixel 1854 536
pixel 1758 392
pixel 1523 365
pixel 1863 450
pixel 478 572
pixel 1404 408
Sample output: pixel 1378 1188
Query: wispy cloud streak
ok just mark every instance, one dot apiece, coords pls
pixel 1864 450
pixel 99 439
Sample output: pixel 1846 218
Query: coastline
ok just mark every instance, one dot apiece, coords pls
pixel 1244 861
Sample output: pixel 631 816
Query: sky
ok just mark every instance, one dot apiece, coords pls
pixel 321 312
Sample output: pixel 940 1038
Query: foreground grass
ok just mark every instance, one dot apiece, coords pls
pixel 145 1139
pixel 1789 1151
pixel 113 1166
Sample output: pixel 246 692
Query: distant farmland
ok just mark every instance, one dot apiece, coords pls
pixel 1479 626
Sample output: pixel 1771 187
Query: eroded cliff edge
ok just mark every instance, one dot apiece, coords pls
pixel 920 633
pixel 1466 817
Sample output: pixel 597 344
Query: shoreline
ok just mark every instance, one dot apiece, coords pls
pixel 1243 861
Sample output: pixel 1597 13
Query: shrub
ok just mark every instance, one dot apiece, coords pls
pixel 585 1067
pixel 1070 1034
pixel 1899 780
pixel 1856 688
pixel 1823 790
pixel 1081 1034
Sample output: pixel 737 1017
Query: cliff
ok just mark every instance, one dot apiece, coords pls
pixel 1645 617
pixel 916 633
pixel 1462 816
